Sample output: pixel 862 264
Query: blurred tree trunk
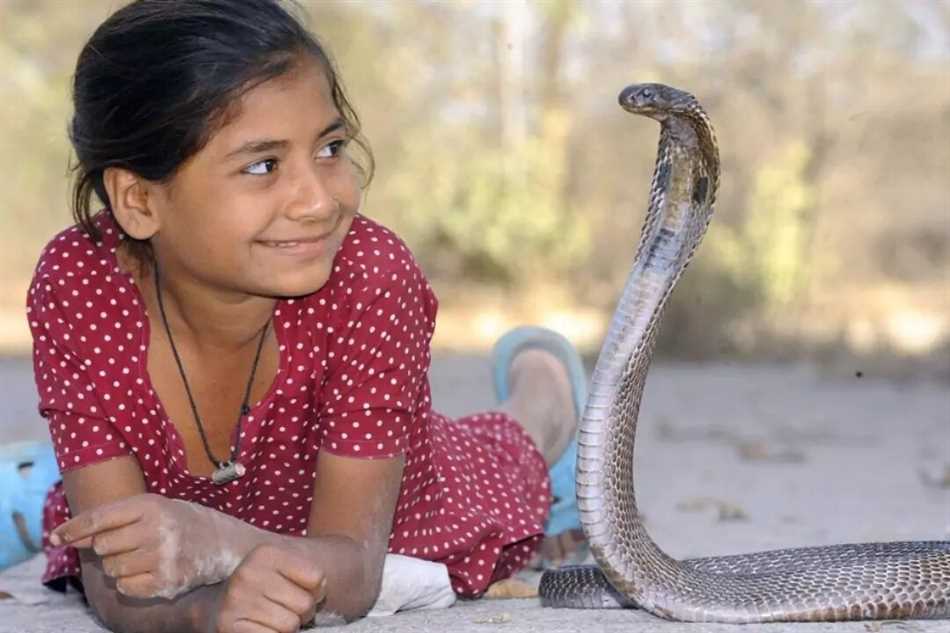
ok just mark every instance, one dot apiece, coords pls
pixel 509 60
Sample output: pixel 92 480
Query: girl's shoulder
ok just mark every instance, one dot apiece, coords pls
pixel 78 278
pixel 373 259
pixel 374 248
pixel 375 279
pixel 73 254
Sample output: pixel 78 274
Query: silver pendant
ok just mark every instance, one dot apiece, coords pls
pixel 227 472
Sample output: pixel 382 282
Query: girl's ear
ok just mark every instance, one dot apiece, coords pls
pixel 130 202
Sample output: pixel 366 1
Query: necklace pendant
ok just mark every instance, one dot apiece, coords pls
pixel 226 472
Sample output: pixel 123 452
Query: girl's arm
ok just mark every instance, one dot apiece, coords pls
pixel 348 531
pixel 192 612
pixel 351 517
pixel 102 483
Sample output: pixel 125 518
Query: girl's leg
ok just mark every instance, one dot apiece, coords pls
pixel 542 402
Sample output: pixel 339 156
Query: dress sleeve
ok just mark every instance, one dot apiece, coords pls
pixel 377 383
pixel 79 425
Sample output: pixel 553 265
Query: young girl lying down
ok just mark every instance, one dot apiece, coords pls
pixel 233 358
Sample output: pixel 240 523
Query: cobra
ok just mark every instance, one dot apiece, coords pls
pixel 837 582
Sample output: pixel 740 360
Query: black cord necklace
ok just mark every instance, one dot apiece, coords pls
pixel 225 471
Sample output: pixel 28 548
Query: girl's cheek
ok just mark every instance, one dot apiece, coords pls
pixel 358 202
pixel 349 192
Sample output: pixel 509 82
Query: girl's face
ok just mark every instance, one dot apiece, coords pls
pixel 263 208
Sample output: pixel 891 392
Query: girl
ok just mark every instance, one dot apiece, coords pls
pixel 232 358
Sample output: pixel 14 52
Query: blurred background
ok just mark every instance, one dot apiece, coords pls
pixel 505 163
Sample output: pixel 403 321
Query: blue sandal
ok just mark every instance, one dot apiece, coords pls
pixel 563 515
pixel 22 498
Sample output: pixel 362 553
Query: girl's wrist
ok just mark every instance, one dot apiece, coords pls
pixel 238 538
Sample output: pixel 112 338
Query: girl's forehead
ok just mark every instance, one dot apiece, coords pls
pixel 299 97
pixel 306 74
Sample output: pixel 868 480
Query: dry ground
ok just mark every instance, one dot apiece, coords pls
pixel 732 458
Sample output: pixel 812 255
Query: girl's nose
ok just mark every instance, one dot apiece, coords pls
pixel 312 197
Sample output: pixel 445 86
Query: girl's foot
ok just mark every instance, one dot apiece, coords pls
pixel 541 401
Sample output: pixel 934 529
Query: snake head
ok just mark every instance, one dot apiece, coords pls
pixel 656 101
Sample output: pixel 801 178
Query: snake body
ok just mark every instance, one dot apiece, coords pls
pixel 838 582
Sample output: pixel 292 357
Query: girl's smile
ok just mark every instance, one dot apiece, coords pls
pixel 306 246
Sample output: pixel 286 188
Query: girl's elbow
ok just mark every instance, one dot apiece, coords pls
pixel 102 600
pixel 362 601
pixel 364 598
pixel 107 612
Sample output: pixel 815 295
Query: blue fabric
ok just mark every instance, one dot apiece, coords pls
pixel 25 495
pixel 564 514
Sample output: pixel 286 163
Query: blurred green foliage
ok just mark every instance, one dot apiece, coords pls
pixel 776 233
pixel 766 253
pixel 497 215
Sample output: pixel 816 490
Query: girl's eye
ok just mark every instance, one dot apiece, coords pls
pixel 261 167
pixel 331 149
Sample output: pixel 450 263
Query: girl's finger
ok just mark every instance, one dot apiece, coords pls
pixel 272 615
pixel 128 564
pixel 138 586
pixel 249 626
pixel 76 531
pixel 119 541
pixel 82 543
pixel 299 572
pixel 289 595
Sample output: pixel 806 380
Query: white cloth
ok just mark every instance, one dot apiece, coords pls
pixel 412 583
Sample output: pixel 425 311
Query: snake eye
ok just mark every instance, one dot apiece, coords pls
pixel 646 93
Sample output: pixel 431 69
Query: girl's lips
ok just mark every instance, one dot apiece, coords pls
pixel 307 245
pixel 302 246
pixel 291 243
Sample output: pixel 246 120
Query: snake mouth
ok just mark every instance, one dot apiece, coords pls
pixel 655 101
pixel 641 99
pixel 628 98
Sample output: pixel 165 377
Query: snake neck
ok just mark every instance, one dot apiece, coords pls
pixel 681 196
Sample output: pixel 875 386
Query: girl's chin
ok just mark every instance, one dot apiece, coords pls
pixel 300 286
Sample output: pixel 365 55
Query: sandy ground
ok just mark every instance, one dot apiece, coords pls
pixel 732 458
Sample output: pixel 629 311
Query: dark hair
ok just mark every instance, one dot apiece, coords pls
pixel 156 79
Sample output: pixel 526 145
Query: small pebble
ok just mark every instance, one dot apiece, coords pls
pixel 501 618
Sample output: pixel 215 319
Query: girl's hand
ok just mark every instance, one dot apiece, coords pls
pixel 272 591
pixel 154 546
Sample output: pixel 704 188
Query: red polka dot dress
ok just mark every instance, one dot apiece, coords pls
pixel 352 380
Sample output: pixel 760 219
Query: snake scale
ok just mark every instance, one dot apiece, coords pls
pixel 837 582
